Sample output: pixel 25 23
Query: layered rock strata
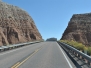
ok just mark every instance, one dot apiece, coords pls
pixel 79 29
pixel 16 26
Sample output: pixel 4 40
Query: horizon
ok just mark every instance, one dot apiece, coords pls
pixel 51 17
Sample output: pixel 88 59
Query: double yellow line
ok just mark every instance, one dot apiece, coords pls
pixel 20 63
pixel 15 65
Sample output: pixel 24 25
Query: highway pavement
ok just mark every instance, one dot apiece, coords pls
pixel 39 55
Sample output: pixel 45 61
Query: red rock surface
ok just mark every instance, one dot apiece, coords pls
pixel 79 29
pixel 16 26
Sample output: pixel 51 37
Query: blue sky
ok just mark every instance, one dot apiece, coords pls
pixel 52 16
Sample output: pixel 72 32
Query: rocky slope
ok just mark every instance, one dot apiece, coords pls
pixel 16 26
pixel 79 29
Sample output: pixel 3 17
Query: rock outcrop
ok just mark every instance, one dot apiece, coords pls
pixel 79 29
pixel 16 26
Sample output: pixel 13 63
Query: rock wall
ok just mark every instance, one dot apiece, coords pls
pixel 16 26
pixel 79 29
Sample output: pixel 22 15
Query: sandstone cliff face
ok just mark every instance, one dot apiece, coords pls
pixel 79 29
pixel 16 26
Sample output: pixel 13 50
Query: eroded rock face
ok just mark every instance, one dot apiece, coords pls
pixel 79 29
pixel 16 26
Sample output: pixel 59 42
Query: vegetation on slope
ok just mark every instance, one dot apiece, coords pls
pixel 79 46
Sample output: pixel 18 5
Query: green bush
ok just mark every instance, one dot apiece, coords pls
pixel 89 50
pixel 78 46
pixel 85 48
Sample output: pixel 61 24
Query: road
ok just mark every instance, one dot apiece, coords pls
pixel 39 55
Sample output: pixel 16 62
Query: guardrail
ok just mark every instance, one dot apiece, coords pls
pixel 78 53
pixel 8 47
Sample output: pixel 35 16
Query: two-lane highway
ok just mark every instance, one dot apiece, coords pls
pixel 39 55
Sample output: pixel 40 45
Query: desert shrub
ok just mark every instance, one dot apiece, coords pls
pixel 74 44
pixel 78 46
pixel 85 50
pixel 89 50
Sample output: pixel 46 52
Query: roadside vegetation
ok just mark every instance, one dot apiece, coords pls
pixel 79 46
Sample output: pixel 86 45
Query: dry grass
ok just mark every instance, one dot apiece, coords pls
pixel 78 46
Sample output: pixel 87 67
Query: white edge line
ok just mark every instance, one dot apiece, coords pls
pixel 65 56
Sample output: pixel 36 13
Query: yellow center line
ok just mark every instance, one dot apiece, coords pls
pixel 20 63
pixel 15 65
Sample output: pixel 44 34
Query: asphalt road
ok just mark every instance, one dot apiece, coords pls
pixel 39 55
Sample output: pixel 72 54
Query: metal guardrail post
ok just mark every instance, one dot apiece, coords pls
pixel 77 52
pixel 4 48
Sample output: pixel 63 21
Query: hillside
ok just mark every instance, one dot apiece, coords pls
pixel 79 29
pixel 16 26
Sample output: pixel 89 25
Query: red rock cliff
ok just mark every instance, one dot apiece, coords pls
pixel 16 26
pixel 79 29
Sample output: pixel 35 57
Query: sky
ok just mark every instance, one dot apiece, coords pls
pixel 52 16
